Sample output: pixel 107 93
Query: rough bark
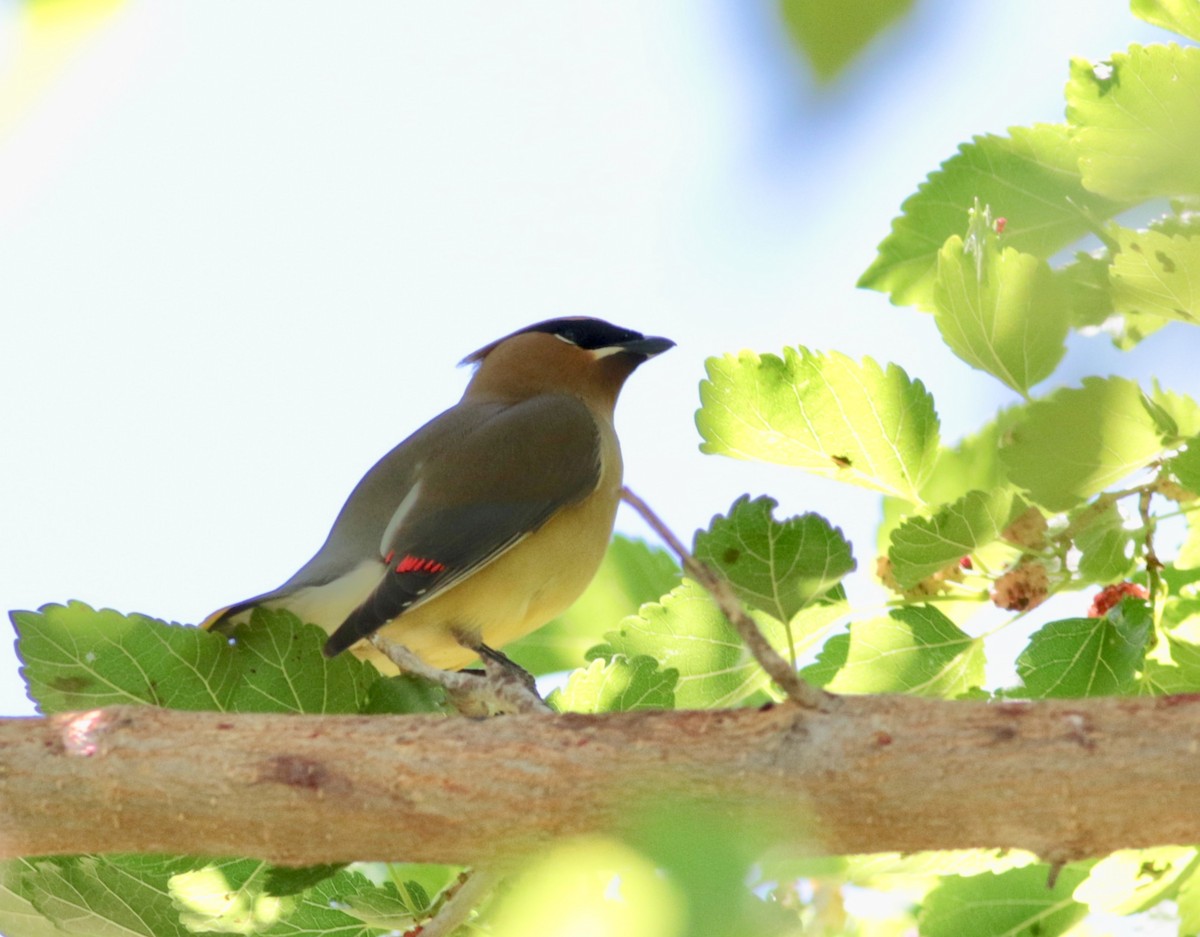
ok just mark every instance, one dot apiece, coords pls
pixel 865 774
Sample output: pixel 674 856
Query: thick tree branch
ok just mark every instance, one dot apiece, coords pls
pixel 1065 779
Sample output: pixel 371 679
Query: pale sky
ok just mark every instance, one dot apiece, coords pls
pixel 242 247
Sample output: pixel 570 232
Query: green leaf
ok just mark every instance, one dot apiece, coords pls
pixel 383 907
pixel 280 880
pixel 1186 466
pixel 1180 16
pixel 1134 880
pixel 1105 545
pixel 632 574
pixel 1084 288
pixel 1078 657
pixel 229 897
pixel 328 909
pixel 881 868
pixel 1000 310
pixel 417 882
pixel 106 896
pixel 1159 679
pixel 831 36
pixel 406 693
pixel 18 916
pixel 776 567
pixel 1188 557
pixel 923 546
pixel 1133 328
pixel 285 671
pixel 826 414
pixel 1183 640
pixel 1031 179
pixel 1188 901
pixel 974 463
pixel 1135 124
pixel 1177 415
pixel 1017 903
pixel 1156 274
pixel 78 658
pixel 621 684
pixel 687 632
pixel 1079 441
pixel 915 650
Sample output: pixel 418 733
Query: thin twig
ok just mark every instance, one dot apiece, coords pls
pixel 454 912
pixel 731 607
pixel 1153 564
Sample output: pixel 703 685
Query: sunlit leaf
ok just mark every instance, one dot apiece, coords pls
pixel 1181 16
pixel 99 896
pixel 75 657
pixel 1155 274
pixel 1176 415
pixel 601 885
pixel 285 671
pixel 1135 127
pixel 779 567
pixel 1186 465
pixel 831 36
pixel 1078 657
pixel 915 650
pixel 18 916
pixel 621 684
pixel 227 897
pixel 827 414
pixel 1030 179
pixel 1078 441
pixel 1134 880
pixel 1017 903
pixel 1000 310
pixel 973 464
pixel 922 546
pixel 1188 901
pixel 1084 287
pixel 1104 542
pixel 687 633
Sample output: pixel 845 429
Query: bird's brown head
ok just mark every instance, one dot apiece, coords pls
pixel 576 354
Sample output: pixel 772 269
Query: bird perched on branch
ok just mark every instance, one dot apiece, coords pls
pixel 490 519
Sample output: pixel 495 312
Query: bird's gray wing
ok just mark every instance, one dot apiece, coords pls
pixel 360 526
pixel 476 497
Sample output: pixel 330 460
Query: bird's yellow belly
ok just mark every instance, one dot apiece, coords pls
pixel 486 607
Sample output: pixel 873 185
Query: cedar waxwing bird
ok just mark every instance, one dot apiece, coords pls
pixel 490 519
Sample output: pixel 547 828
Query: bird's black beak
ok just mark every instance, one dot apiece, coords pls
pixel 646 347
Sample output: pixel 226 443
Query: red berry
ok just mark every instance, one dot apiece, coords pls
pixel 1110 596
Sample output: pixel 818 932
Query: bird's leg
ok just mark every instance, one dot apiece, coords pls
pixel 499 664
pixel 472 694
pixel 513 685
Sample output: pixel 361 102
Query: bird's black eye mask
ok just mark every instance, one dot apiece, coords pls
pixel 587 333
pixel 583 331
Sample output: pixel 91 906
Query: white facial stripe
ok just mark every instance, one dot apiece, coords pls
pixel 562 338
pixel 599 353
pixel 402 511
